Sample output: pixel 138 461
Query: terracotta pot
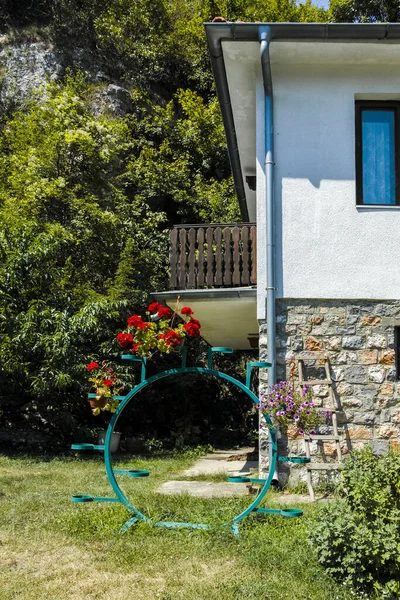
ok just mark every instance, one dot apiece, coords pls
pixel 98 402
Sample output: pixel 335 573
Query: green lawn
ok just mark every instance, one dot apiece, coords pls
pixel 51 548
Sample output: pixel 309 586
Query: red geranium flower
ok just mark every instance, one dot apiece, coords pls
pixel 164 312
pixel 192 329
pixel 195 322
pixel 125 340
pixel 172 338
pixel 135 321
pixel 154 307
pixel 107 382
pixel 186 310
pixel 92 365
pixel 135 347
pixel 143 325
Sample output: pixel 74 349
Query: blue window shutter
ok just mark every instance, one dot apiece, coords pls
pixel 378 157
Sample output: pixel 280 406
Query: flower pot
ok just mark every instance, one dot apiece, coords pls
pixel 98 402
pixel 115 439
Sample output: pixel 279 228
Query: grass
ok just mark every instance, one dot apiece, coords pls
pixel 53 549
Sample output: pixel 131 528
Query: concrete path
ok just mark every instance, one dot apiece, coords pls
pixel 203 489
pixel 228 462
pixel 224 461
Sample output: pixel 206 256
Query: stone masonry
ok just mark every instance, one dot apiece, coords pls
pixel 359 338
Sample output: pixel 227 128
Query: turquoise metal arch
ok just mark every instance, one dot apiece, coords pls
pixel 125 400
pixel 163 375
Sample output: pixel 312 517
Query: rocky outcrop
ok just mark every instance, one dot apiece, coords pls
pixel 25 67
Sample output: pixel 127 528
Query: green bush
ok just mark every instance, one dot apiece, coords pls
pixel 371 484
pixel 357 538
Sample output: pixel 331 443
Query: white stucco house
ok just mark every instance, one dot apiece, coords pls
pixel 312 119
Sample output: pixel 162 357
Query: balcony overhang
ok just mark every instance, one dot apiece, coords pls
pixel 228 316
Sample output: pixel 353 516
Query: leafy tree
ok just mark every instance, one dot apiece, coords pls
pixel 24 12
pixel 179 163
pixel 257 10
pixel 75 249
pixel 81 199
pixel 365 11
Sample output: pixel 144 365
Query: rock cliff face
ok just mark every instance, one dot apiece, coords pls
pixel 25 68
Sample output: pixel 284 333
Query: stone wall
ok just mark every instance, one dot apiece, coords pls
pixel 359 338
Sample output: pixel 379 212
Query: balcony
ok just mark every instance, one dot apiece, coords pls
pixel 213 270
pixel 213 256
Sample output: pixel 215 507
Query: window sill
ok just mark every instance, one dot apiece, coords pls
pixel 377 207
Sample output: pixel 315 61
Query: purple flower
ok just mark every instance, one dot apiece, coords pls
pixel 296 417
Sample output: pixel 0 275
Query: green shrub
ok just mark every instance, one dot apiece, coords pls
pixel 371 484
pixel 357 538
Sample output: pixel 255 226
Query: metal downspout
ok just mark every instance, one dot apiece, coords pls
pixel 265 39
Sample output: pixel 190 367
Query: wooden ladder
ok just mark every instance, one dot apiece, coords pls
pixel 332 408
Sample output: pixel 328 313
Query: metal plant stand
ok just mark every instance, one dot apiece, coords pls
pixel 135 473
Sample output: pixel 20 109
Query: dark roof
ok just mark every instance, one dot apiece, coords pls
pixel 248 32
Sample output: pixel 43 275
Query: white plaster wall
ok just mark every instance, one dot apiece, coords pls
pixel 326 247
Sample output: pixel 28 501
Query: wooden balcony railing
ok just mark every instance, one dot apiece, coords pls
pixel 211 256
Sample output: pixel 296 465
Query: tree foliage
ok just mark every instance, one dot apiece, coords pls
pixel 179 163
pixel 75 246
pixel 365 11
pixel 82 231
